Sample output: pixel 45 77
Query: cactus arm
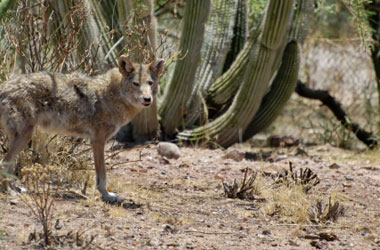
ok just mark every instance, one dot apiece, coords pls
pixel 229 127
pixel 282 88
pixel 285 81
pixel 179 89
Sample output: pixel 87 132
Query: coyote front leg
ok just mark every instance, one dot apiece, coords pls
pixel 101 174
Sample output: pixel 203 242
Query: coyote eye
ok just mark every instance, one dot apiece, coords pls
pixel 150 83
pixel 136 84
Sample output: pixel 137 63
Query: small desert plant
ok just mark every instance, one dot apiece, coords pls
pixel 37 180
pixel 305 178
pixel 320 212
pixel 245 190
pixel 71 238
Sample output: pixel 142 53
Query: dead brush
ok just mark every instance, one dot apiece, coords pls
pixel 41 39
pixel 320 212
pixel 40 183
pixel 72 158
pixel 70 239
pixel 246 190
pixel 143 45
pixel 37 180
pixel 285 196
pixel 305 178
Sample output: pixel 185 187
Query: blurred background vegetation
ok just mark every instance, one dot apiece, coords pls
pixel 336 57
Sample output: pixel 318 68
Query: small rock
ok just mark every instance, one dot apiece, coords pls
pixel 164 160
pixel 266 232
pixel 58 225
pixel 334 166
pixel 284 141
pixel 234 155
pixel 301 151
pixel 170 229
pixel 316 244
pixel 220 177
pixel 169 150
pixel 13 202
pixel 349 177
pixel 293 243
pixel 328 236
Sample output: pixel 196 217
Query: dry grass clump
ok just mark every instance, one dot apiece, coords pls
pixel 72 157
pixel 290 204
pixel 320 212
pixel 288 196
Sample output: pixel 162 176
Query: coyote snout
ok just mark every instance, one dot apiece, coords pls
pixel 77 105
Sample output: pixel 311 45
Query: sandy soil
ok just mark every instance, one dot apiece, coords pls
pixel 183 207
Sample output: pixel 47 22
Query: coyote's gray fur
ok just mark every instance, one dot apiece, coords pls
pixel 77 105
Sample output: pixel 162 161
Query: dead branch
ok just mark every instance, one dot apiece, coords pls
pixel 324 96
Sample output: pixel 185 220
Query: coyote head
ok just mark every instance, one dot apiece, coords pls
pixel 140 81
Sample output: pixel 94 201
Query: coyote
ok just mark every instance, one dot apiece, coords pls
pixel 77 105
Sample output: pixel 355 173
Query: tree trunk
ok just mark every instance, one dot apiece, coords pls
pixel 229 127
pixel 178 91
pixel 322 95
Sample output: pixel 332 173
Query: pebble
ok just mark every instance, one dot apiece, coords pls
pixel 169 150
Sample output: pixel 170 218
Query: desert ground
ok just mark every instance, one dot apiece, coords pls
pixel 181 203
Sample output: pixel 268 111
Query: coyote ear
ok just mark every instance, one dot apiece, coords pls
pixel 157 66
pixel 125 66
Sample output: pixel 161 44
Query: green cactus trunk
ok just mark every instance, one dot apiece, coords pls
pixel 286 78
pixel 216 44
pixel 239 34
pixel 5 5
pixel 93 32
pixel 179 89
pixel 229 127
pixel 225 87
pixel 282 88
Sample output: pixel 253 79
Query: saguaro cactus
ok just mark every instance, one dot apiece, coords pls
pixel 179 89
pixel 229 127
pixel 281 89
pixel 287 75
pixel 215 47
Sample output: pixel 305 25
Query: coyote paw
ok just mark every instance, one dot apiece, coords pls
pixel 12 189
pixel 112 198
